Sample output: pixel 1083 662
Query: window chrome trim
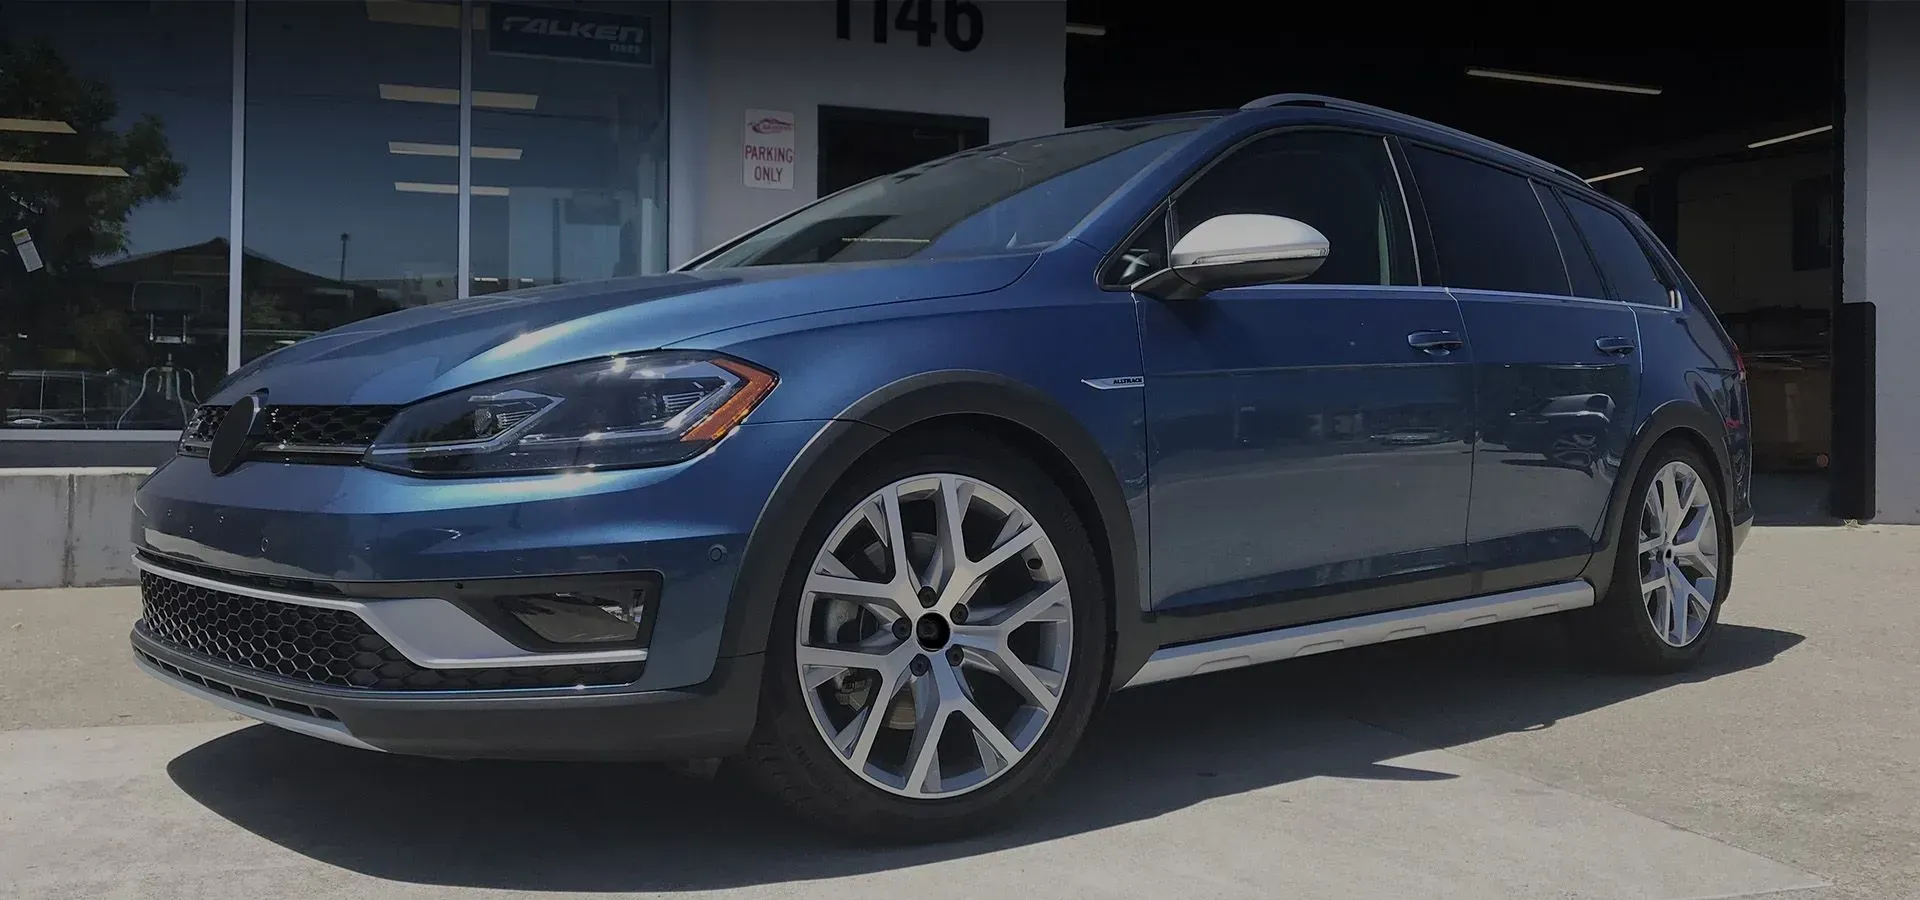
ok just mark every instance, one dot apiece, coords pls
pixel 464 265
pixel 88 435
pixel 237 188
pixel 430 632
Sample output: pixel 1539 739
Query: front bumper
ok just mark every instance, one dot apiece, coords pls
pixel 359 530
pixel 708 720
pixel 394 560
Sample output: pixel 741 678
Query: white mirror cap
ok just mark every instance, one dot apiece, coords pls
pixel 1248 237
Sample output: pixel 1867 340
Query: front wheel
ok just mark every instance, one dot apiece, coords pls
pixel 939 646
pixel 1672 567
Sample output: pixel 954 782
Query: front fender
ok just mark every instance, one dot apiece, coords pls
pixel 863 425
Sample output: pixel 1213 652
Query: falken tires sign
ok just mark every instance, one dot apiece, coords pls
pixel 556 33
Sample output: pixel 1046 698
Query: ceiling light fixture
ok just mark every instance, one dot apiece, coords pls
pixel 1789 137
pixel 1086 30
pixel 1620 174
pixel 36 126
pixel 440 187
pixel 411 148
pixel 1562 81
pixel 409 93
pixel 39 168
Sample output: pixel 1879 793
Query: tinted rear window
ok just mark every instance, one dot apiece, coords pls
pixel 1622 258
pixel 1489 231
pixel 1573 249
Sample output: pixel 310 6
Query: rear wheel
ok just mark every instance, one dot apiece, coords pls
pixel 1672 567
pixel 938 649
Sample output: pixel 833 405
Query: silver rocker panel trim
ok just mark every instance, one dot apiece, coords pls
pixel 1170 663
pixel 429 631
pixel 333 732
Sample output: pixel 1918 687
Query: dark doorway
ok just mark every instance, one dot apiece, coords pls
pixel 858 144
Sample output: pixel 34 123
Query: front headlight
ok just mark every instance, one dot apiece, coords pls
pixel 643 410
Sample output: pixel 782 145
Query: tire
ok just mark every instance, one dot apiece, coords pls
pixel 1620 630
pixel 790 755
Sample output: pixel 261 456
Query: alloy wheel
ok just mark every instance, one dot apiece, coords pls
pixel 934 634
pixel 1679 549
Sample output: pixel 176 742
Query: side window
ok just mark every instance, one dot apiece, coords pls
pixel 1341 183
pixel 1621 257
pixel 1488 228
pixel 1573 248
pixel 1145 254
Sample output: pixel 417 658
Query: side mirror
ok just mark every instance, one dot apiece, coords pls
pixel 1236 251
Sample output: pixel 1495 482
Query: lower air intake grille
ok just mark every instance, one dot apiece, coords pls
pixel 324 646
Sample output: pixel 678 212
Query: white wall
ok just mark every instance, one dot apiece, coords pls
pixel 1736 233
pixel 1880 230
pixel 784 55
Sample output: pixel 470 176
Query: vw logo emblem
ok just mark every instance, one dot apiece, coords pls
pixel 237 432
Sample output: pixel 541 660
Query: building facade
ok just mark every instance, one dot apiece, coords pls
pixel 375 155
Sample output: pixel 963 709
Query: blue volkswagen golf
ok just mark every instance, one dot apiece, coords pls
pixel 878 501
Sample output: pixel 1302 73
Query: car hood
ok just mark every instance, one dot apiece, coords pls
pixel 404 356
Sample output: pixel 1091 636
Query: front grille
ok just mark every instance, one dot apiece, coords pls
pixel 203 423
pixel 307 431
pixel 326 426
pixel 322 646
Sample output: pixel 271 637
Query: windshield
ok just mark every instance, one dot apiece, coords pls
pixel 1005 197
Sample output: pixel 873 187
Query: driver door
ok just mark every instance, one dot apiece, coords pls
pixel 1309 442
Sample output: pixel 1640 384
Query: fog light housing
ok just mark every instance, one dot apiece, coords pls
pixel 591 618
pixel 565 614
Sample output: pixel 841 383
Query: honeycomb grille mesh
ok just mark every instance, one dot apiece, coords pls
pixel 327 426
pixel 324 646
pixel 204 422
pixel 345 427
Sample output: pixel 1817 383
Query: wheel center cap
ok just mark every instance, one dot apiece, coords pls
pixel 933 632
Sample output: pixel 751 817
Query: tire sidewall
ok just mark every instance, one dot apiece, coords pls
pixel 786 718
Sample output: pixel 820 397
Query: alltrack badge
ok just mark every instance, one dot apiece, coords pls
pixel 237 432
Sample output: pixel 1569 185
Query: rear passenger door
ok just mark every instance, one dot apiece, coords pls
pixel 1556 372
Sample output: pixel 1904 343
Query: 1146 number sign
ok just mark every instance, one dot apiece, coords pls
pixel 960 21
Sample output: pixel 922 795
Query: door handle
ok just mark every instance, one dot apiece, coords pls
pixel 1435 343
pixel 1614 346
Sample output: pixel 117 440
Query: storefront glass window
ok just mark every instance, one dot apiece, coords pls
pixel 114 170
pixel 569 142
pixel 117 130
pixel 352 164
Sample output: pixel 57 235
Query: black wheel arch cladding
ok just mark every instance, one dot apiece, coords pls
pixel 1675 420
pixel 867 423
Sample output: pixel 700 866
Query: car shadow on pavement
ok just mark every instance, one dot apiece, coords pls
pixel 611 827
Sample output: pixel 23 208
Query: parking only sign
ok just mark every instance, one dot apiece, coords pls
pixel 768 145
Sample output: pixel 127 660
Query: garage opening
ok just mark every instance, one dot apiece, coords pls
pixel 1723 138
pixel 858 144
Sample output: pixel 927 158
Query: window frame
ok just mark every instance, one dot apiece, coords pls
pixel 1162 212
pixel 1662 269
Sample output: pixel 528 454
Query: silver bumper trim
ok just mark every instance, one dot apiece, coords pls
pixel 1740 532
pixel 429 631
pixel 332 732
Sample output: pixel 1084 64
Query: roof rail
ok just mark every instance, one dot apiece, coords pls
pixel 1272 100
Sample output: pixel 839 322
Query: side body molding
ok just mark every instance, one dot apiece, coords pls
pixel 768 566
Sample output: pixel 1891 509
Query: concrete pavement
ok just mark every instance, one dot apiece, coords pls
pixel 1480 765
